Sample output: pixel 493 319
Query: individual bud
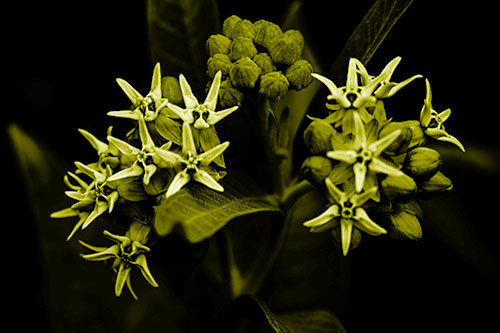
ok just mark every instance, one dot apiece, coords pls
pixel 244 73
pixel 299 74
pixel 171 90
pixel 434 186
pixel 229 95
pixel 217 44
pixel 398 188
pixel 318 136
pixel 219 62
pixel 228 25
pixel 284 49
pixel 418 137
pixel 316 169
pixel 265 63
pixel 112 161
pixel 422 163
pixel 244 28
pixel 242 47
pixel 273 85
pixel 131 189
pixel 412 207
pixel 355 238
pixel 158 182
pixel 405 225
pixel 265 32
pixel 297 36
pixel 402 142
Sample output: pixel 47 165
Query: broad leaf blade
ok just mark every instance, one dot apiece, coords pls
pixel 178 30
pixel 201 211
pixel 369 34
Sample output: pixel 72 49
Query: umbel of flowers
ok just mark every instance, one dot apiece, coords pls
pixel 373 170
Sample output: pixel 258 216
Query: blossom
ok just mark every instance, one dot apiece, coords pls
pixel 93 199
pixel 128 252
pixel 190 164
pixel 200 115
pixel 108 154
pixel 142 157
pixel 148 106
pixel 363 154
pixel 345 210
pixel 432 122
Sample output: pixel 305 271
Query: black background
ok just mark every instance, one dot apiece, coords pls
pixel 62 59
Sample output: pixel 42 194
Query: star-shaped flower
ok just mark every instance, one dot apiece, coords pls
pixel 97 197
pixel 432 122
pixel 189 164
pixel 345 210
pixel 108 154
pixel 143 159
pixel 128 252
pixel 148 106
pixel 201 116
pixel 363 153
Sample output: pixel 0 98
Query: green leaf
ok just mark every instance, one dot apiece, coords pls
pixel 369 34
pixel 178 30
pixel 256 311
pixel 201 211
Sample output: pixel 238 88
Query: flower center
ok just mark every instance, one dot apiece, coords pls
pixel 364 156
pixel 347 209
pixel 148 107
pixel 200 111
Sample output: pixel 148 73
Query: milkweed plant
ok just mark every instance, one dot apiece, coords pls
pixel 170 174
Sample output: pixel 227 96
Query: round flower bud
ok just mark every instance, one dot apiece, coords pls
pixel 398 188
pixel 400 145
pixel 171 90
pixel 242 47
pixel 434 186
pixel 265 63
pixel 297 36
pixel 405 225
pixel 244 28
pixel 422 163
pixel 273 85
pixel 316 168
pixel 265 32
pixel 284 49
pixel 219 62
pixel 299 74
pixel 228 25
pixel 229 95
pixel 417 133
pixel 244 73
pixel 217 44
pixel 318 136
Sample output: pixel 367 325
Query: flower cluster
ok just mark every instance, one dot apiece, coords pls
pixel 168 147
pixel 257 57
pixel 373 168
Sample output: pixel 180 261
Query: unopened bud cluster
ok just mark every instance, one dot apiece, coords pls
pixel 257 57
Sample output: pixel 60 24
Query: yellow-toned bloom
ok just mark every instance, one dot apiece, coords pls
pixel 189 164
pixel 432 121
pixel 347 213
pixel 128 252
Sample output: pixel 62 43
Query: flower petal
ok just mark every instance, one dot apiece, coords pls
pixel 156 82
pixel 107 253
pixel 203 177
pixel 329 214
pixel 365 224
pixel 380 145
pixel 98 145
pixel 188 145
pixel 211 100
pixel 335 93
pixel 358 129
pixel 123 147
pixel 348 156
pixel 214 117
pixel 335 193
pixel 359 175
pixel 130 289
pixel 359 199
pixel 133 171
pixel 352 76
pixel 189 99
pixel 97 176
pixel 377 165
pixel 83 217
pixel 345 234
pixel 149 171
pixel 99 209
pixel 168 156
pixel 121 277
pixel 207 157
pixel 125 114
pixel 132 94
pixel 180 179
pixel 445 115
pixel 141 262
pixel 425 113
pixel 112 198
pixel 63 213
pixel 340 173
pixel 452 139
pixel 146 139
pixel 185 114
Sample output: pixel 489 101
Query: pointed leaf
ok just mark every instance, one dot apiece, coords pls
pixel 201 211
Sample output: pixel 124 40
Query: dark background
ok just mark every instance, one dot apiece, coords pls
pixel 59 75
